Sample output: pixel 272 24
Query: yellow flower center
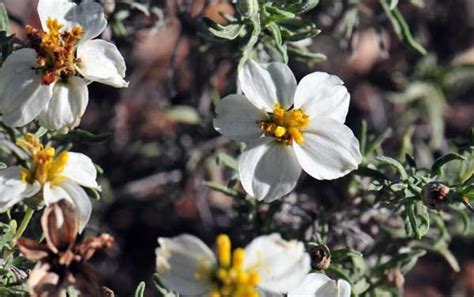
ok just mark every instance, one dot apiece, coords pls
pixel 55 50
pixel 285 125
pixel 45 166
pixel 230 278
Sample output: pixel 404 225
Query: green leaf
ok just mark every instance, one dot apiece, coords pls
pixel 4 21
pixel 161 289
pixel 393 4
pixel 183 114
pixel 295 29
pixel 401 27
pixel 222 189
pixel 7 233
pixel 140 291
pixel 278 14
pixel 302 54
pixel 79 135
pixel 227 160
pixel 396 164
pixel 3 165
pixel 369 172
pixel 439 163
pixel 302 6
pixel 338 255
pixel 229 32
pixel 275 31
pixel 417 220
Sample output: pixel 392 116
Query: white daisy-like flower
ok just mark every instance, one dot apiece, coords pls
pixel 49 81
pixel 287 128
pixel 51 176
pixel 268 265
pixel 320 285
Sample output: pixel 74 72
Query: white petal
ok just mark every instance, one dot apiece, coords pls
pixel 80 169
pixel 19 61
pixel 308 287
pixel 329 150
pixel 282 264
pixel 54 193
pixel 22 96
pixel 101 61
pixel 268 170
pixel 67 105
pixel 267 84
pixel 13 189
pixel 56 9
pixel 237 118
pixel 344 288
pixel 90 16
pixel 180 260
pixel 320 94
pixel 80 199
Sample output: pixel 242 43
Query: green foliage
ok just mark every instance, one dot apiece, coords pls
pixel 274 26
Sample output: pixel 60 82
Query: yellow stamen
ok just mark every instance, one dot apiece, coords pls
pixel 285 125
pixel 45 167
pixel 223 250
pixel 230 278
pixel 55 50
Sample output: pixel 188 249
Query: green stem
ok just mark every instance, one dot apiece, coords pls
pixel 24 223
pixel 19 232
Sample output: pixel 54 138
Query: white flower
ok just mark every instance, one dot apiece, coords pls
pixel 268 265
pixel 48 82
pixel 319 285
pixel 288 127
pixel 51 176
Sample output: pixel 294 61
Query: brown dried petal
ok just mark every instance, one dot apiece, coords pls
pixel 43 282
pixel 31 249
pixel 90 245
pixel 60 225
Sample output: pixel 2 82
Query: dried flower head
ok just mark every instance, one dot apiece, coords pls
pixel 62 261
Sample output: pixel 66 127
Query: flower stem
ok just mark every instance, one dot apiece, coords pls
pixel 24 223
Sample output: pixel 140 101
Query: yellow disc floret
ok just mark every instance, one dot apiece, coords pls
pixel 230 278
pixel 55 50
pixel 45 165
pixel 285 125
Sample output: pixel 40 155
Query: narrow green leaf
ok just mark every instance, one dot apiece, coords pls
pixel 275 31
pixel 161 290
pixel 396 164
pixel 439 163
pixel 229 32
pixel 222 189
pixel 393 4
pixel 401 27
pixel 227 160
pixel 4 21
pixel 79 135
pixel 140 291
pixel 183 114
pixel 303 6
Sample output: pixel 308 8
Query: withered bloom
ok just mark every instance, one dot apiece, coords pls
pixel 62 261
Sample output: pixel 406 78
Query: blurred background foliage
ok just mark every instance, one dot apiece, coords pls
pixel 409 66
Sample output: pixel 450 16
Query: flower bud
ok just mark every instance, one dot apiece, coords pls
pixel 435 194
pixel 247 8
pixel 320 257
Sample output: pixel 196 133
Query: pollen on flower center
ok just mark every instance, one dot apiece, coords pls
pixel 230 279
pixel 285 125
pixel 45 165
pixel 55 50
